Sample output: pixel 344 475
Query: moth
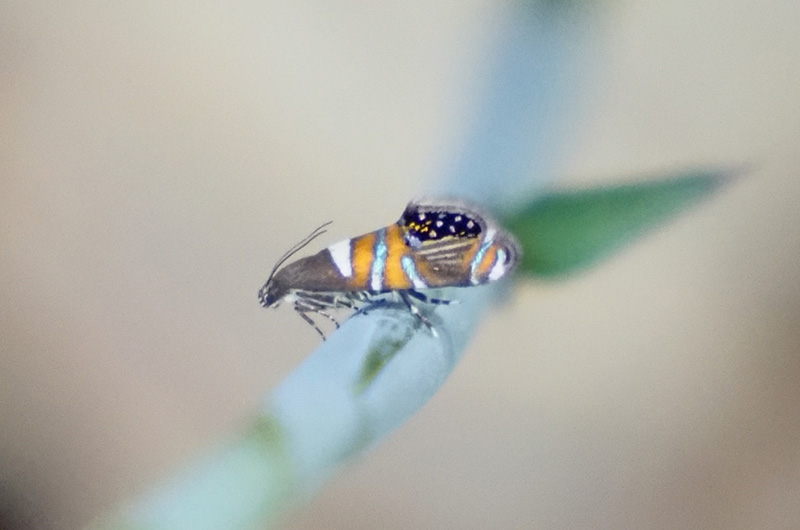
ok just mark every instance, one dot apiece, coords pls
pixel 434 244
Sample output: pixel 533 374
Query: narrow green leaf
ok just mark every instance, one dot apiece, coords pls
pixel 565 232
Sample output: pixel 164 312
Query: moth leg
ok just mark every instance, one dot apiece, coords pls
pixel 362 295
pixel 320 301
pixel 428 300
pixel 305 306
pixel 328 316
pixel 345 302
pixel 404 296
pixel 308 319
pixel 367 300
pixel 334 301
pixel 319 308
pixel 367 297
pixel 370 305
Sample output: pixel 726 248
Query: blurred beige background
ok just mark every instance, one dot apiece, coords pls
pixel 158 156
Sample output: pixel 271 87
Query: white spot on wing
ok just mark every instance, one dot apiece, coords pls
pixel 340 253
pixel 499 268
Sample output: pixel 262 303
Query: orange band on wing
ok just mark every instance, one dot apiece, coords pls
pixel 363 256
pixel 394 276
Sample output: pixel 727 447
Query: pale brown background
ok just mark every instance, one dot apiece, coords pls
pixel 156 157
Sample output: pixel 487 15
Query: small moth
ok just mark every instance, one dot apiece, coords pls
pixel 434 244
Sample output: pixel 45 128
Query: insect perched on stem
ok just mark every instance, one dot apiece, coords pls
pixel 434 244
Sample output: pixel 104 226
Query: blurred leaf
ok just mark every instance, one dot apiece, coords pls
pixel 565 232
pixel 382 351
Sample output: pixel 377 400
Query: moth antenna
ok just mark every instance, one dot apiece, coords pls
pixel 318 231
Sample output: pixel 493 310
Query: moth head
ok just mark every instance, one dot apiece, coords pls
pixel 278 287
pixel 272 293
